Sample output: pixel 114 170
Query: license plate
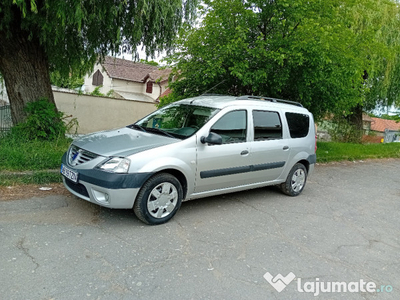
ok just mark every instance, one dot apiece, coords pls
pixel 68 173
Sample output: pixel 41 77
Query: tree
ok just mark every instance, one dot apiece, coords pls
pixel 383 87
pixel 70 82
pixel 311 51
pixel 38 36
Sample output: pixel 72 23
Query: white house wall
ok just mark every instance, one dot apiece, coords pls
pixel 127 86
pixel 107 81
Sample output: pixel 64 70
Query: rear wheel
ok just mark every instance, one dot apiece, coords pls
pixel 159 199
pixel 296 180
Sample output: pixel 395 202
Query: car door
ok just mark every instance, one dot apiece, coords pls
pixel 222 166
pixel 269 149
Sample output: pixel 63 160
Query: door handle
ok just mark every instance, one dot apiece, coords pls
pixel 285 147
pixel 244 152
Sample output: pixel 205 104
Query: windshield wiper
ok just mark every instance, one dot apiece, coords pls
pixel 157 130
pixel 137 127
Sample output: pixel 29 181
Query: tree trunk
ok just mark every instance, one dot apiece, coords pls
pixel 25 69
pixel 355 119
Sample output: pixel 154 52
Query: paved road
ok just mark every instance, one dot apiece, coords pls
pixel 341 233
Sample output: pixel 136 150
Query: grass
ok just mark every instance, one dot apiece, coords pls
pixel 30 162
pixel 17 155
pixel 36 177
pixel 330 151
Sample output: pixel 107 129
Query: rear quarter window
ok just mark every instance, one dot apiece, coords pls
pixel 299 124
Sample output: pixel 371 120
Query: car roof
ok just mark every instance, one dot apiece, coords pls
pixel 222 101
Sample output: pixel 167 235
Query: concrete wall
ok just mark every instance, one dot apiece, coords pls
pixel 101 113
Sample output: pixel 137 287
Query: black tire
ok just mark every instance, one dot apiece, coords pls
pixel 296 180
pixel 159 199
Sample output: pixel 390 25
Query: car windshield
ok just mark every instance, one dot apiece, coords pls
pixel 180 120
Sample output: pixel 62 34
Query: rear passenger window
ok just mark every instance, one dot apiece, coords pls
pixel 298 124
pixel 267 125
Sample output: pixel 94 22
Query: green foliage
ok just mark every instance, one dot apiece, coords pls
pixel 17 154
pixel 149 62
pixel 328 151
pixel 314 52
pixel 70 82
pixel 170 98
pixel 341 130
pixel 74 33
pixel 41 177
pixel 96 91
pixel 394 118
pixel 110 93
pixel 43 122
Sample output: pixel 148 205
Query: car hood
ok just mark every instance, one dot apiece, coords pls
pixel 121 142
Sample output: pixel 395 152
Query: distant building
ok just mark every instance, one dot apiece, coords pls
pixel 128 79
pixel 380 126
pixel 3 94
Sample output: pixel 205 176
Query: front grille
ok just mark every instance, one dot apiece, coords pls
pixel 79 156
pixel 77 187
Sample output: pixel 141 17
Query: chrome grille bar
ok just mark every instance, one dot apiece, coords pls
pixel 79 156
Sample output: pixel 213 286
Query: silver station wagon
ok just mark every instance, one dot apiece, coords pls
pixel 198 147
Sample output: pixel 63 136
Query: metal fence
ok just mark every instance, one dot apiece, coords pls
pixel 5 119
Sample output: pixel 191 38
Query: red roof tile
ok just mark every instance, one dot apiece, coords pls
pixel 382 124
pixel 166 92
pixel 160 74
pixel 127 69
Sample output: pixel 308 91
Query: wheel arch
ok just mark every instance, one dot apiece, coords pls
pixel 306 163
pixel 178 175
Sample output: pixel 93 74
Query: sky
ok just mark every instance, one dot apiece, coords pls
pixel 142 55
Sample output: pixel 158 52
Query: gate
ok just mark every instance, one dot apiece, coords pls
pixel 5 119
pixel 391 136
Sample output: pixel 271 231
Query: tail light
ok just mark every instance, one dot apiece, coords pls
pixel 315 143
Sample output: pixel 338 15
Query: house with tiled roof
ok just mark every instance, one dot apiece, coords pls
pixel 128 79
pixel 382 125
pixel 389 130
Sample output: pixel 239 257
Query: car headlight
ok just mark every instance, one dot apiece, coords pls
pixel 116 165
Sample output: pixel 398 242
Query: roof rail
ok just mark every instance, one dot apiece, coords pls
pixel 275 100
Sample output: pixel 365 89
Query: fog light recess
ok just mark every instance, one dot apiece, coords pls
pixel 101 196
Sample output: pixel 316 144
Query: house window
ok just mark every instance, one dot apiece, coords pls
pixel 97 78
pixel 149 87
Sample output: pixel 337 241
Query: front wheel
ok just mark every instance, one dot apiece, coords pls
pixel 159 199
pixel 296 180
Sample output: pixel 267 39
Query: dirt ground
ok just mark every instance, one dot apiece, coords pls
pixel 32 190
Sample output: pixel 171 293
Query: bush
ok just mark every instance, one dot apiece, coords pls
pixel 96 92
pixel 344 132
pixel 168 99
pixel 43 122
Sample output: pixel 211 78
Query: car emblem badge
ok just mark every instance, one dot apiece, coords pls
pixel 75 157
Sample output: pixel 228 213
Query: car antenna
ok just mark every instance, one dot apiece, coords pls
pixel 213 87
pixel 209 90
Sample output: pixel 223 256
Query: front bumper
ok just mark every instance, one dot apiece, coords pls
pixel 104 188
pixel 112 198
